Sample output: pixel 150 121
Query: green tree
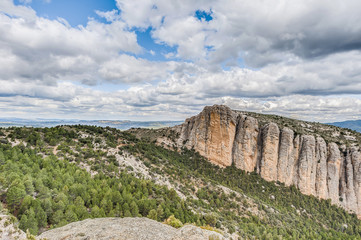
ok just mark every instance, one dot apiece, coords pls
pixel 14 196
pixel 211 219
pixel 134 209
pixel 153 214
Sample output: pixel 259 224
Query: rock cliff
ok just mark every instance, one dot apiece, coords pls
pixel 317 166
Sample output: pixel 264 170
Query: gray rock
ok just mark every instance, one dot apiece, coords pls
pixel 285 157
pixel 126 229
pixel 307 165
pixel 333 172
pixel 269 158
pixel 321 169
pixel 245 144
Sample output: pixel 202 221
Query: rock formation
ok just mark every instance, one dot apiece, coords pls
pixel 127 229
pixel 9 228
pixel 277 153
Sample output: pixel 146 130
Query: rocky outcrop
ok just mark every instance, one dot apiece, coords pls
pixel 245 143
pixel 286 156
pixel 356 163
pixel 277 153
pixel 9 229
pixel 211 133
pixel 333 172
pixel 269 158
pixel 321 169
pixel 127 229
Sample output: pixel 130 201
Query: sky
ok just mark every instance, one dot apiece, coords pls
pixel 166 60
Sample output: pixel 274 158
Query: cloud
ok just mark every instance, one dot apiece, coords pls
pixel 300 59
pixel 46 50
pixel 258 31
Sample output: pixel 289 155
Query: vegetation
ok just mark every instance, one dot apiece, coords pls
pixel 54 176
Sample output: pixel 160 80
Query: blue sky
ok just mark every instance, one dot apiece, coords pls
pixel 76 12
pixel 166 60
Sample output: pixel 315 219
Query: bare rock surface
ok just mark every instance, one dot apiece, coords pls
pixel 9 229
pixel 126 229
pixel 269 160
pixel 245 143
pixel 211 133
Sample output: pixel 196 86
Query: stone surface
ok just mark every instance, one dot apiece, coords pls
pixel 333 172
pixel 270 141
pixel 356 162
pixel 321 169
pixel 245 144
pixel 286 156
pixel 9 228
pixel 126 229
pixel 211 133
pixel 307 165
pixel 347 191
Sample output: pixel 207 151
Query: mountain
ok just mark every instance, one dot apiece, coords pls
pixel 200 172
pixel 123 124
pixel 352 124
pixel 306 155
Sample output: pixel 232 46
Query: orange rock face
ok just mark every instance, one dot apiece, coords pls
pixel 211 133
pixel 227 137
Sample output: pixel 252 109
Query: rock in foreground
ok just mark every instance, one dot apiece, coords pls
pixel 126 229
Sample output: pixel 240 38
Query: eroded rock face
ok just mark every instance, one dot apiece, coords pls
pixel 347 190
pixel 286 156
pixel 245 144
pixel 321 169
pixel 228 137
pixel 307 165
pixel 333 172
pixel 269 160
pixel 211 133
pixel 356 163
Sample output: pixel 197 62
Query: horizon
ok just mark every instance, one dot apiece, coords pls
pixel 165 61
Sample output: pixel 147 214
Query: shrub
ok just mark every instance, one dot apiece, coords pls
pixel 174 222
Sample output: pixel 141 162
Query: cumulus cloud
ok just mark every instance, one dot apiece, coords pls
pixel 36 48
pixel 297 59
pixel 258 31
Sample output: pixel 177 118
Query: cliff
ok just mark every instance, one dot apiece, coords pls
pixel 294 153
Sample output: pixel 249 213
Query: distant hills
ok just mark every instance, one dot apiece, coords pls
pixel 352 124
pixel 119 124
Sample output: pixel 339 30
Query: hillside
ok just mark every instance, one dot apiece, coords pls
pixel 50 177
pixel 319 159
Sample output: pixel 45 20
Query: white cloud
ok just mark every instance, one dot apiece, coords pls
pixel 302 59
pixel 36 48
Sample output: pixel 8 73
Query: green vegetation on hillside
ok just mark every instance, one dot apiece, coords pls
pixel 54 176
pixel 47 192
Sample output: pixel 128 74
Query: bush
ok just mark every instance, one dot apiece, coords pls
pixel 172 221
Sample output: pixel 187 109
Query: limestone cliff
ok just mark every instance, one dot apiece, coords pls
pixel 277 152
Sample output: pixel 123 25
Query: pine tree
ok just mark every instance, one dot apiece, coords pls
pixel 153 214
pixel 14 197
pixel 134 209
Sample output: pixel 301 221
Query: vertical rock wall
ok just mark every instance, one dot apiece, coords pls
pixel 226 137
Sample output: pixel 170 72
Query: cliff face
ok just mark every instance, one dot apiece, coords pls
pixel 277 153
